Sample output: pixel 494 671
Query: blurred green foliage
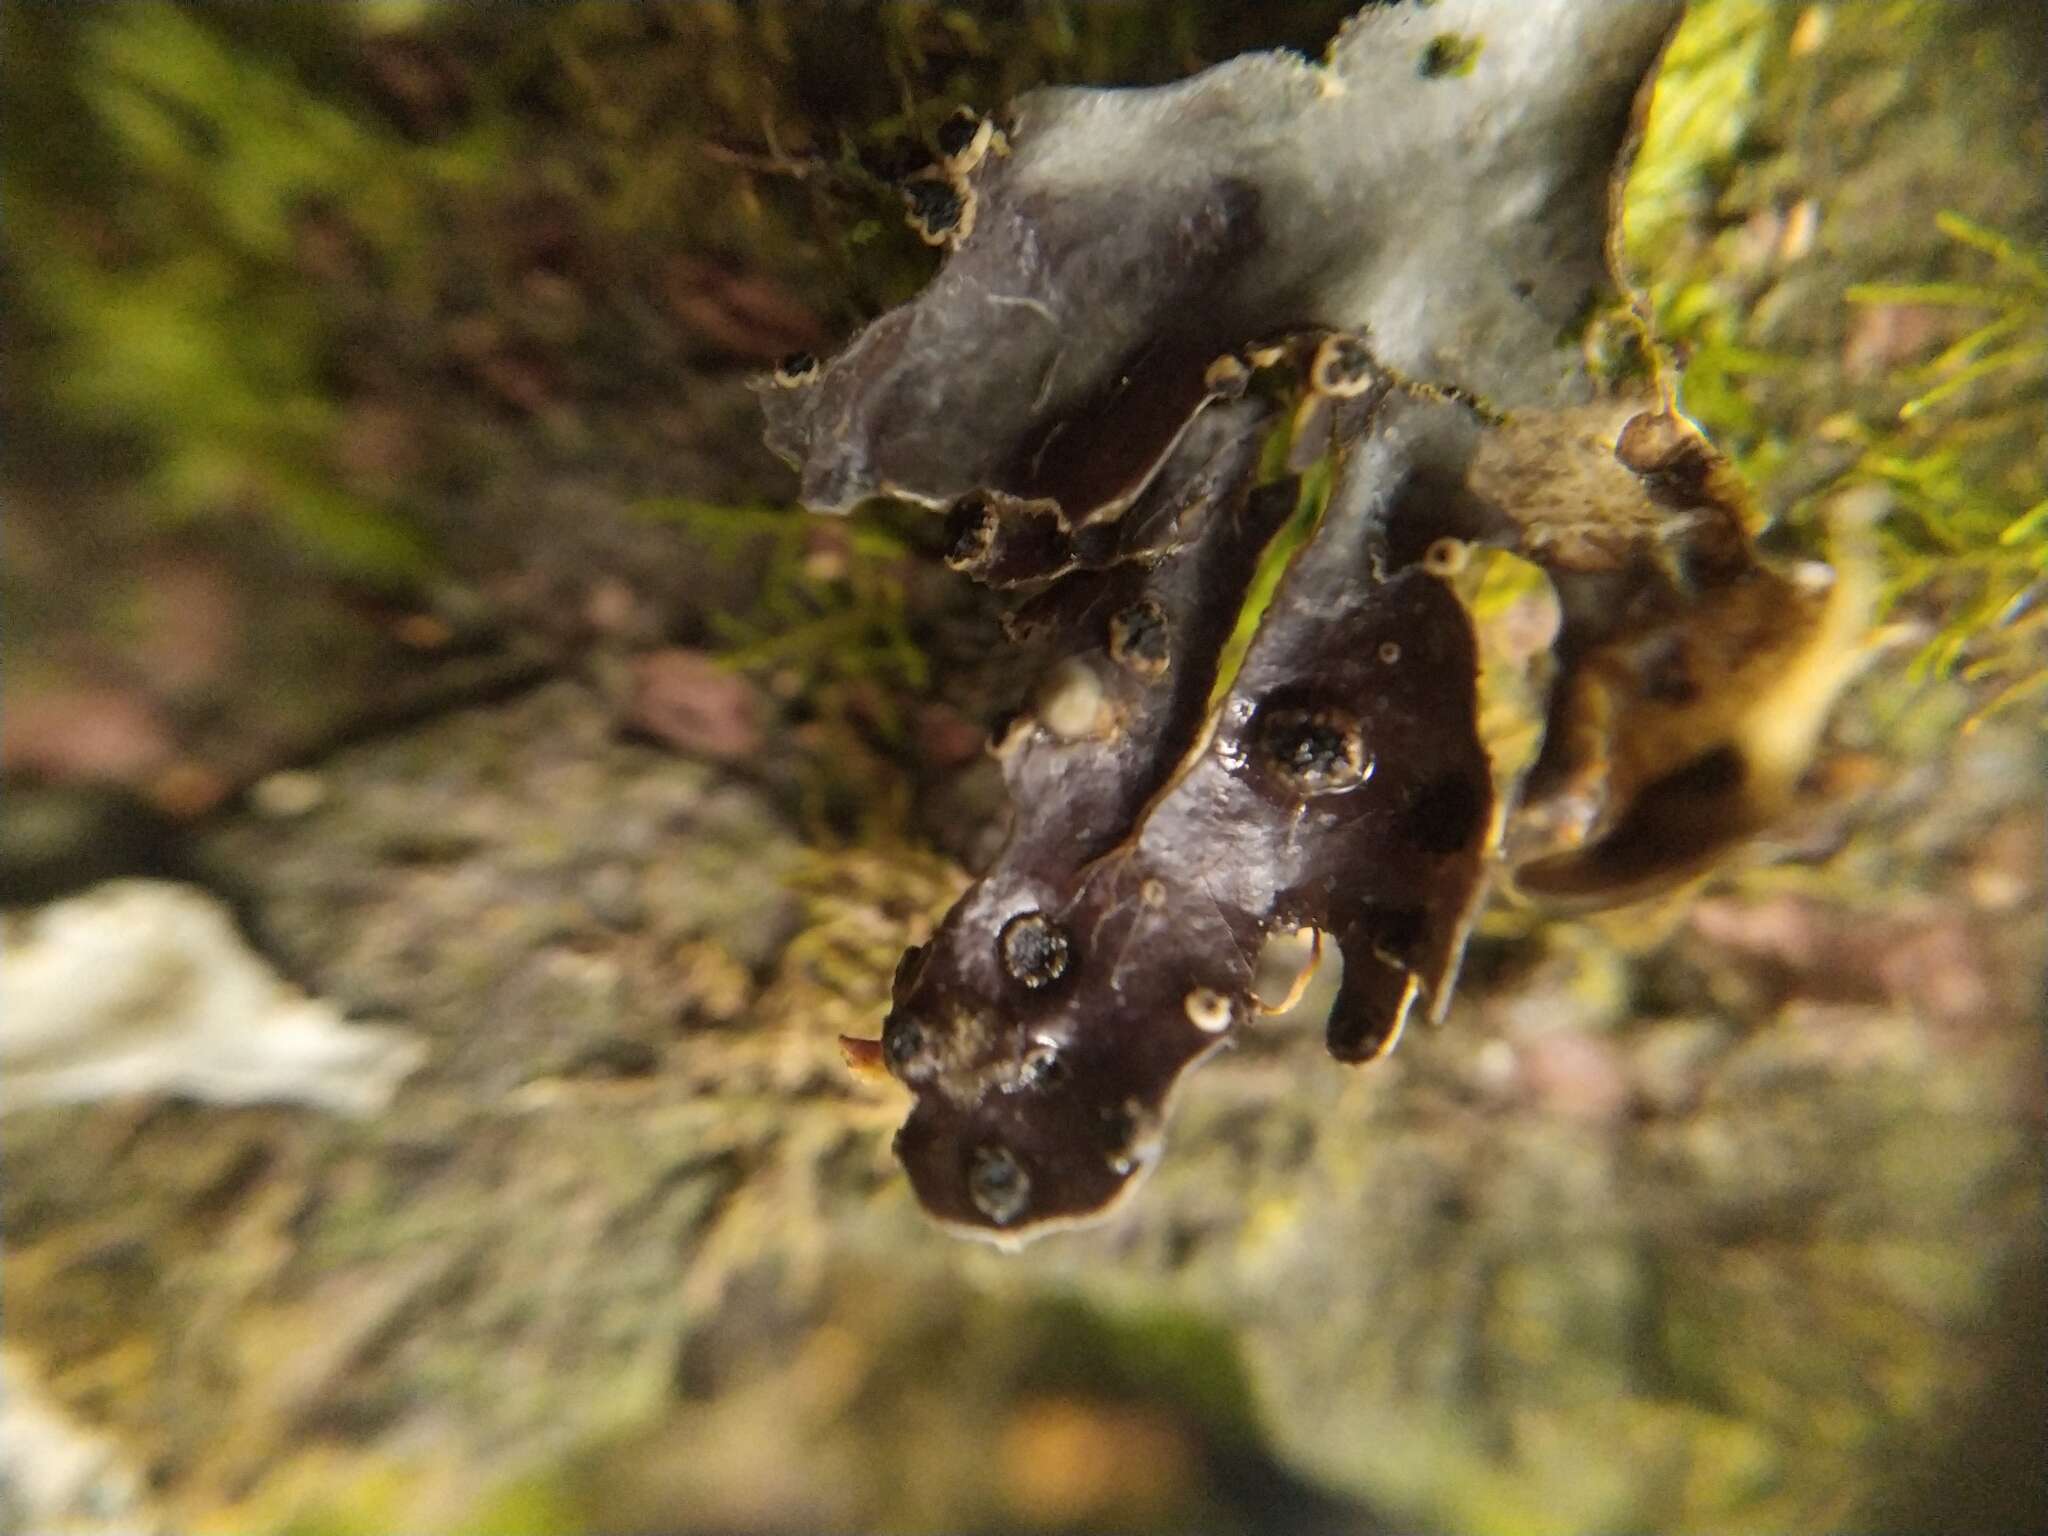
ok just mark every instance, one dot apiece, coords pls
pixel 830 597
pixel 1708 103
pixel 239 226
pixel 228 224
pixel 1185 1363
pixel 1724 206
pixel 1964 462
pixel 166 285
pixel 829 621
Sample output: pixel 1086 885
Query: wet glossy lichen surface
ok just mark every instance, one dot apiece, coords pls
pixel 1223 406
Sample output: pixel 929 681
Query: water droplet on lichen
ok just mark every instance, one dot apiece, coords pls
pixel 998 1186
pixel 904 1046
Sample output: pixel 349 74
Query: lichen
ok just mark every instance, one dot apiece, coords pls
pixel 247 228
pixel 1134 426
pixel 1715 1207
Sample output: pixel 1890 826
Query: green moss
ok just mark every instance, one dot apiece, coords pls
pixel 540 1504
pixel 1780 217
pixel 1964 462
pixel 176 314
pixel 1310 501
pixel 828 626
pixel 1182 1361
pixel 237 225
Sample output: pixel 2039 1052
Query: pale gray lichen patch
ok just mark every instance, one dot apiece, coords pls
pixel 1132 236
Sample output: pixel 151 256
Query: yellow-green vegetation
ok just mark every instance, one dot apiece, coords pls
pixel 1964 462
pixel 830 602
pixel 1451 56
pixel 1311 500
pixel 1835 329
pixel 827 627
pixel 236 223
pixel 166 278
pixel 862 908
pixel 1707 103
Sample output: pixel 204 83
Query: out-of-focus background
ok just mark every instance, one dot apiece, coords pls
pixel 454 800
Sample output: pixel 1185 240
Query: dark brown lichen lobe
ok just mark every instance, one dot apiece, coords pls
pixel 1072 1055
pixel 1445 813
pixel 1693 675
pixel 1121 385
pixel 1337 782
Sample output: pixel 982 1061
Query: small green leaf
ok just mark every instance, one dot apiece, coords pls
pixel 1934 295
pixel 1998 247
pixel 2027 525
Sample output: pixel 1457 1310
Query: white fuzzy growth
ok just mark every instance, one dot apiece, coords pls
pixel 144 986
